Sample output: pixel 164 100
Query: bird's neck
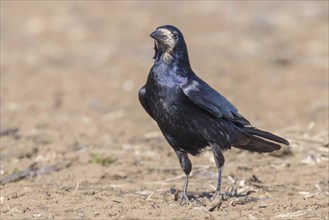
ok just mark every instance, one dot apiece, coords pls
pixel 177 57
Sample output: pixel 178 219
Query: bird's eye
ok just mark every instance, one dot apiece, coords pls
pixel 175 35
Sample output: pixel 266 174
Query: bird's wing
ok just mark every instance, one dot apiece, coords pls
pixel 201 94
pixel 142 100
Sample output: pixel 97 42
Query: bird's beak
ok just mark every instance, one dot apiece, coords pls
pixel 158 35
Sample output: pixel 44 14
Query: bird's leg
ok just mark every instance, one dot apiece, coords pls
pixel 219 159
pixel 219 186
pixel 184 196
pixel 186 165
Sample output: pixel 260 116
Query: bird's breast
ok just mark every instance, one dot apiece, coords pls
pixel 166 101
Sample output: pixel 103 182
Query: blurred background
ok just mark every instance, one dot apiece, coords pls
pixel 71 71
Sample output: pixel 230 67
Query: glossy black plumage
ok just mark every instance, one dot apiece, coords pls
pixel 191 114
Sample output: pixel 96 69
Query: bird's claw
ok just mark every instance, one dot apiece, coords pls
pixel 184 199
pixel 223 196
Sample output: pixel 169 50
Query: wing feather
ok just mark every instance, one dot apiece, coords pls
pixel 201 94
pixel 143 101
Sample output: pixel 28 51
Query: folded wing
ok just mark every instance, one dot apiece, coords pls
pixel 201 94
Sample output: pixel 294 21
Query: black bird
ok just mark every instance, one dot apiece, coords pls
pixel 192 115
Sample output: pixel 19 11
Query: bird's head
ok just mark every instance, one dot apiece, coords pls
pixel 169 43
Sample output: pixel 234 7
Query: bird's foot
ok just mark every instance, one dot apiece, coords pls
pixel 184 199
pixel 232 192
pixel 223 196
pixel 181 197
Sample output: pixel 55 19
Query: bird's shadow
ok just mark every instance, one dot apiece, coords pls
pixel 208 196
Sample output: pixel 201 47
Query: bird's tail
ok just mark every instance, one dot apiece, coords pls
pixel 258 144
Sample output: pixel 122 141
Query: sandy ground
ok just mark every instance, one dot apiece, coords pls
pixel 76 144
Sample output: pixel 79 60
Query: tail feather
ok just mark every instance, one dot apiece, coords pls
pixel 259 145
pixel 265 134
pixel 257 141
